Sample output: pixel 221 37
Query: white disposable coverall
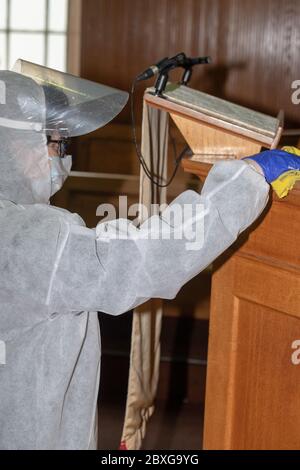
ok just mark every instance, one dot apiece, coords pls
pixel 56 274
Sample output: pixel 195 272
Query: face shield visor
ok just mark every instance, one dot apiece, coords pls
pixel 74 106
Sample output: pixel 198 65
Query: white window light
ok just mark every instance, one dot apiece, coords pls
pixel 34 30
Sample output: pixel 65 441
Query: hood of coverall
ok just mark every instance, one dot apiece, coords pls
pixel 35 101
pixel 24 165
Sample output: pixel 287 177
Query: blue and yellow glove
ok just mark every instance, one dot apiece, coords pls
pixel 281 168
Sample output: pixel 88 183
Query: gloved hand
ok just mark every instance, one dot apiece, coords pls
pixel 281 168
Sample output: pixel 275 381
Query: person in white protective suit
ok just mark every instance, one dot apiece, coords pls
pixel 56 273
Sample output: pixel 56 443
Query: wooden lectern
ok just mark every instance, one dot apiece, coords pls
pixel 253 378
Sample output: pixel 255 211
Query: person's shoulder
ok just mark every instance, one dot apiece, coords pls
pixel 70 217
pixel 35 220
pixel 40 213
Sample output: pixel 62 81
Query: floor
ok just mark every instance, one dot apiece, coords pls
pixel 177 423
pixel 172 427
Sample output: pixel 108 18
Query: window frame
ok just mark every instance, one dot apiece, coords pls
pixel 46 32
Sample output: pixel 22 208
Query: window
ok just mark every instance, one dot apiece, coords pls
pixel 34 30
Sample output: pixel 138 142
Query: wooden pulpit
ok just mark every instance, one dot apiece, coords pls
pixel 253 378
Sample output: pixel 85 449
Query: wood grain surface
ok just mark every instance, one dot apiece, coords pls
pixel 254 45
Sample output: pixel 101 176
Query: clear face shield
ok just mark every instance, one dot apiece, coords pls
pixel 70 106
pixel 36 104
pixel 74 106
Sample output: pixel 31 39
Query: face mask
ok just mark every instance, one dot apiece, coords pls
pixel 60 170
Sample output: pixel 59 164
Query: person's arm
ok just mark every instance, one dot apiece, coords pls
pixel 103 270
